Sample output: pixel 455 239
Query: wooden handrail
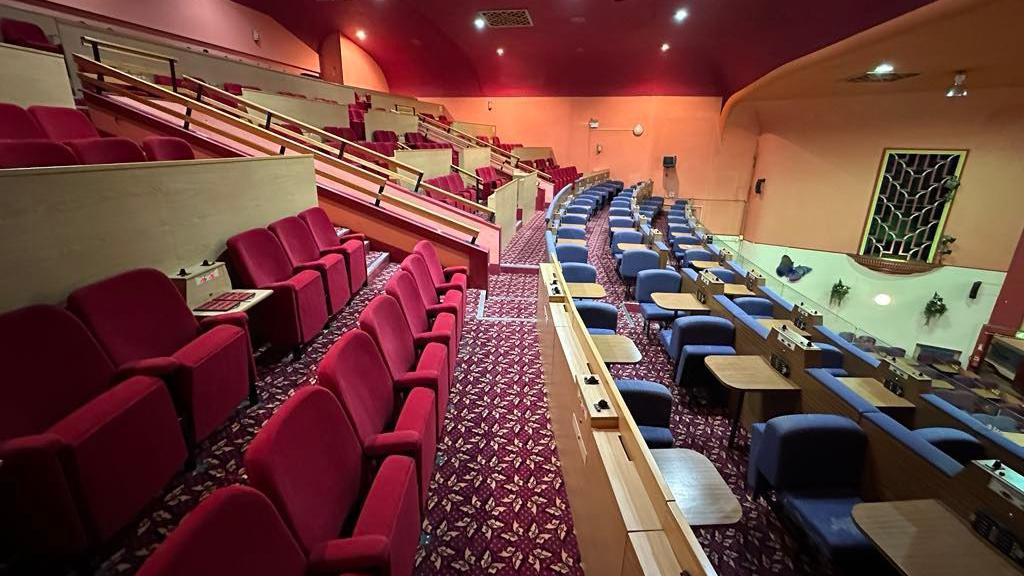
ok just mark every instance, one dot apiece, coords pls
pixel 130 50
pixel 467 136
pixel 467 173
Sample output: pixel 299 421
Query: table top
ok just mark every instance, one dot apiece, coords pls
pixel 704 264
pixel 697 487
pixel 614 230
pixel 576 241
pixel 616 349
pixel 747 373
pixel 260 296
pixel 1015 437
pixel 778 323
pixel 875 393
pixel 681 301
pixel 737 290
pixel 923 537
pixel 630 246
pixel 577 226
pixel 585 290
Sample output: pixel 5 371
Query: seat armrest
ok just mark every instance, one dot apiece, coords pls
pixel 239 319
pixel 442 288
pixel 453 270
pixel 435 309
pixel 314 266
pixel 405 442
pixel 159 367
pixel 358 553
pixel 345 238
pixel 418 379
pixel 424 338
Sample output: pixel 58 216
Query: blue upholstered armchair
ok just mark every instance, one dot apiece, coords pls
pixel 635 261
pixel 574 233
pixel 724 274
pixel 585 210
pixel 599 317
pixel 620 213
pixel 680 244
pixel 693 338
pixel 756 307
pixel 675 229
pixel 649 282
pixel 696 254
pixel 574 219
pixel 624 237
pixel 831 359
pixel 579 272
pixel 571 253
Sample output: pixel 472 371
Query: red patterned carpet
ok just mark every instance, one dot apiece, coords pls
pixel 527 246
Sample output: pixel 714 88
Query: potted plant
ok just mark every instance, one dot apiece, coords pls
pixel 839 292
pixel 935 308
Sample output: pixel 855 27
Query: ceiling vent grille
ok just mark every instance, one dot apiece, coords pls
pixel 871 77
pixel 507 18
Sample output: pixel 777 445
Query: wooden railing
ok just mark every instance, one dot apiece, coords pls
pixel 499 157
pixel 94 75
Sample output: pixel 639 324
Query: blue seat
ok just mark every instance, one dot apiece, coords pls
pixel 741 315
pixel 831 359
pixel 571 253
pixel 777 298
pixel 855 401
pixel 680 244
pixel 955 443
pixel 649 282
pixel 572 233
pixel 678 229
pixel 696 254
pixel 620 222
pixel 915 444
pixel 724 274
pixel 997 422
pixel 573 219
pixel 942 401
pixel 585 210
pixel 624 237
pixel 635 261
pixel 620 213
pixel 848 347
pixel 578 272
pixel 756 307
pixel 598 317
pixel 693 338
pixel 549 241
pixel 650 404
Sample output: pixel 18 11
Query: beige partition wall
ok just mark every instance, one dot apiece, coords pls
pixel 384 101
pixel 475 129
pixel 504 201
pixel 533 152
pixel 393 121
pixel 65 227
pixel 313 112
pixel 472 158
pixel 33 77
pixel 433 163
pixel 527 183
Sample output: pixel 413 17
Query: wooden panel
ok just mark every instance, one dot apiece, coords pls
pixel 65 227
pixel 474 129
pixel 649 553
pixel 527 195
pixel 472 158
pixel 385 101
pixel 393 121
pixel 433 163
pixel 504 202
pixel 33 77
pixel 534 152
pixel 319 114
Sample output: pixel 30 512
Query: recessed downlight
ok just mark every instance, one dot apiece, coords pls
pixel 680 15
pixel 361 34
pixel 884 68
pixel 500 51
pixel 665 47
pixel 883 299
pixel 479 23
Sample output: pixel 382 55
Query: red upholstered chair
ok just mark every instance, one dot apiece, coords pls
pixel 142 322
pixel 35 153
pixel 17 124
pixel 62 124
pixel 442 328
pixel 450 278
pixel 385 322
pixel 82 453
pixel 415 138
pixel 384 136
pixel 106 151
pixel 235 530
pixel 357 121
pixel 233 88
pixel 452 301
pixel 21 33
pixel 354 371
pixel 307 460
pixel 160 148
pixel 297 310
pixel 350 246
pixel 303 254
pixel 491 179
pixel 343 132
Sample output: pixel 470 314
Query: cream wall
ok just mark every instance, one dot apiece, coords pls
pixel 359 69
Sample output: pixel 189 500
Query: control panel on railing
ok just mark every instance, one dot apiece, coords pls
pixel 803 316
pixel 902 380
pixel 1008 485
pixel 753 280
pixel 708 285
pixel 724 256
pixel 791 351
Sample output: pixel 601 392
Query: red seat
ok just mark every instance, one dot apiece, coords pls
pixel 350 246
pixel 354 371
pixel 21 33
pixel 415 138
pixel 233 88
pixel 343 132
pixel 106 151
pixel 61 124
pixel 442 327
pixel 35 153
pixel 491 179
pixel 452 300
pixel 297 310
pixel 160 148
pixel 235 530
pixel 17 124
pixel 452 277
pixel 303 254
pixel 307 460
pixel 81 452
pixel 385 322
pixel 357 121
pixel 384 136
pixel 144 325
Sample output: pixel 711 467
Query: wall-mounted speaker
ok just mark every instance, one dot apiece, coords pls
pixel 759 186
pixel 975 288
pixel 668 161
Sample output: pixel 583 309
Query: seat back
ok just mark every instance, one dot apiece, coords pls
pixel 63 123
pixel 135 315
pixel 572 233
pixel 685 240
pixel 320 226
pixel 571 253
pixel 831 357
pixel 635 261
pixel 159 148
pixel 35 154
pixel 619 213
pixel 487 173
pixel 415 138
pixel 579 272
pixel 402 287
pixel 308 461
pixel 821 452
pixel 355 373
pixel 573 219
pixel 651 281
pixel 18 31
pixel 625 237
pixel 425 249
pixel 757 307
pixel 709 330
pixel 106 151
pixel 343 132
pixel 236 530
pixel 598 314
pixel 259 258
pixel 696 254
pixel 52 365
pixel 384 136
pixel 296 239
pixel 385 322
pixel 414 265
pixel 17 124
pixel 724 274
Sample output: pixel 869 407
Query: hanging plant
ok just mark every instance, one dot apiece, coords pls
pixel 839 292
pixel 935 308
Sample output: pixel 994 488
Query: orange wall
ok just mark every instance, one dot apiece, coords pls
pixel 359 69
pixel 820 159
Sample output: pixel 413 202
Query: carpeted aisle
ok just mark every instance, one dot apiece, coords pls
pixel 527 246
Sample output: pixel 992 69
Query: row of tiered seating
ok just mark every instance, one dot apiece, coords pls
pixel 340 472
pixel 27 34
pixel 495 141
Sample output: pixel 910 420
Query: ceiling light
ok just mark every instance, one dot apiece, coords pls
pixel 883 68
pixel 959 87
pixel 361 34
pixel 479 23
pixel 680 15
pixel 665 47
pixel 500 51
pixel 883 299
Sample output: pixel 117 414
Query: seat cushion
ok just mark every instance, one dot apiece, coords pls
pixel 600 331
pixel 214 378
pixel 956 443
pixel 828 521
pixel 656 437
pixel 651 311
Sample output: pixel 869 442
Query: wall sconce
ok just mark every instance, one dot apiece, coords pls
pixel 638 130
pixel 490 105
pixel 598 149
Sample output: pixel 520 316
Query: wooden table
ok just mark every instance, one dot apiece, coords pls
pixel 697 487
pixel 616 349
pixel 737 290
pixel 923 537
pixel 576 241
pixel 782 326
pixel 631 246
pixel 876 394
pixel 586 290
pixel 260 296
pixel 704 264
pixel 746 374
pixel 576 226
pixel 678 301
pixel 614 230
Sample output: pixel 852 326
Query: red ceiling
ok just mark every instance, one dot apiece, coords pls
pixel 583 47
